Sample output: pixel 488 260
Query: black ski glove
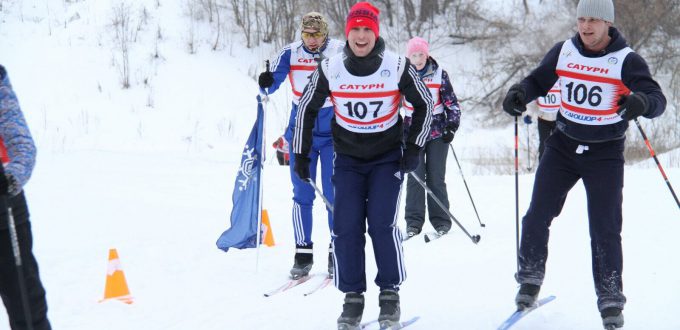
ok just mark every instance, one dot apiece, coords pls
pixel 514 103
pixel 447 137
pixel 410 159
pixel 632 106
pixel 302 166
pixel 4 185
pixel 266 79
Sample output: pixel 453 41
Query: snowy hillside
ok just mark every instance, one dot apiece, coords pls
pixel 149 170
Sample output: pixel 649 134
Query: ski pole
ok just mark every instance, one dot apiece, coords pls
pixel 517 191
pixel 320 193
pixel 466 186
pixel 658 164
pixel 475 239
pixel 17 261
pixel 528 147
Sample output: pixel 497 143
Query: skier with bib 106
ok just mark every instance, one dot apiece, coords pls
pixel 604 84
pixel 297 61
pixel 365 84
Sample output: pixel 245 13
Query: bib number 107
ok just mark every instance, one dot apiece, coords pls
pixel 580 93
pixel 360 109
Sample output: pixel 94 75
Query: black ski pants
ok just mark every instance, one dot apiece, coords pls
pixel 545 128
pixel 600 166
pixel 9 280
pixel 432 170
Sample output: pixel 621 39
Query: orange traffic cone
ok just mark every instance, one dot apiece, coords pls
pixel 267 234
pixel 116 286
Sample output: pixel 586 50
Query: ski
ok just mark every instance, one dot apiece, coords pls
pixel 403 324
pixel 288 285
pixel 326 281
pixel 519 314
pixel 431 236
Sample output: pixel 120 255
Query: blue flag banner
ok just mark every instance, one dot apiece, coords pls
pixel 246 195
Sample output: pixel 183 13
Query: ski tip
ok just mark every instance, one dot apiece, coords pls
pixel 427 239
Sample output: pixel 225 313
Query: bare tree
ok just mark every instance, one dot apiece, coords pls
pixel 123 37
pixel 242 10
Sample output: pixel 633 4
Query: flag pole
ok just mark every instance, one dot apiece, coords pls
pixel 260 169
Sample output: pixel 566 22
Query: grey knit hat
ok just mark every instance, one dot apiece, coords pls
pixel 602 9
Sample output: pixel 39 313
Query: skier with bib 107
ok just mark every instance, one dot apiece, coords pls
pixel 365 84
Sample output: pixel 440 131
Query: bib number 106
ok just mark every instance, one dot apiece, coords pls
pixel 580 93
pixel 360 109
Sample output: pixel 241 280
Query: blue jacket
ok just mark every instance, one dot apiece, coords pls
pixel 16 137
pixel 635 75
pixel 280 69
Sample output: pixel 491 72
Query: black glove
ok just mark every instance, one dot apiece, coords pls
pixel 632 106
pixel 4 184
pixel 302 166
pixel 410 159
pixel 527 120
pixel 266 79
pixel 514 103
pixel 447 137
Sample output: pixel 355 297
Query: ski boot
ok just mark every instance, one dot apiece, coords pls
pixel 412 231
pixel 443 230
pixel 352 310
pixel 331 265
pixel 304 259
pixel 389 309
pixel 526 297
pixel 612 318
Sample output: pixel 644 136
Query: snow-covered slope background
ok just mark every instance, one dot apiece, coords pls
pixel 149 170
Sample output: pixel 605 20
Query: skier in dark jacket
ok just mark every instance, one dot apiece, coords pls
pixel 445 122
pixel 17 151
pixel 604 84
pixel 365 84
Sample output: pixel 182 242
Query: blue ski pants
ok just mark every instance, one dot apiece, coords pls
pixel 367 196
pixel 303 192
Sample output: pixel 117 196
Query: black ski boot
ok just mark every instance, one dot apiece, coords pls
pixel 612 318
pixel 390 312
pixel 443 230
pixel 331 265
pixel 526 297
pixel 352 310
pixel 304 259
pixel 412 231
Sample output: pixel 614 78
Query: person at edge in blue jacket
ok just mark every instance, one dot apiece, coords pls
pixel 17 151
pixel 445 122
pixel 297 61
pixel 366 83
pixel 604 84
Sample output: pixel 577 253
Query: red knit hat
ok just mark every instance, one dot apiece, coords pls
pixel 363 14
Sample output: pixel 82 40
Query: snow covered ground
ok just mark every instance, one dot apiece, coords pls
pixel 155 183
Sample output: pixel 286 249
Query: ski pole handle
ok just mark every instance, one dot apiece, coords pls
pixel 266 65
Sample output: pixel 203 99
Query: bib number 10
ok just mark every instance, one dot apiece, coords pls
pixel 580 93
pixel 360 109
